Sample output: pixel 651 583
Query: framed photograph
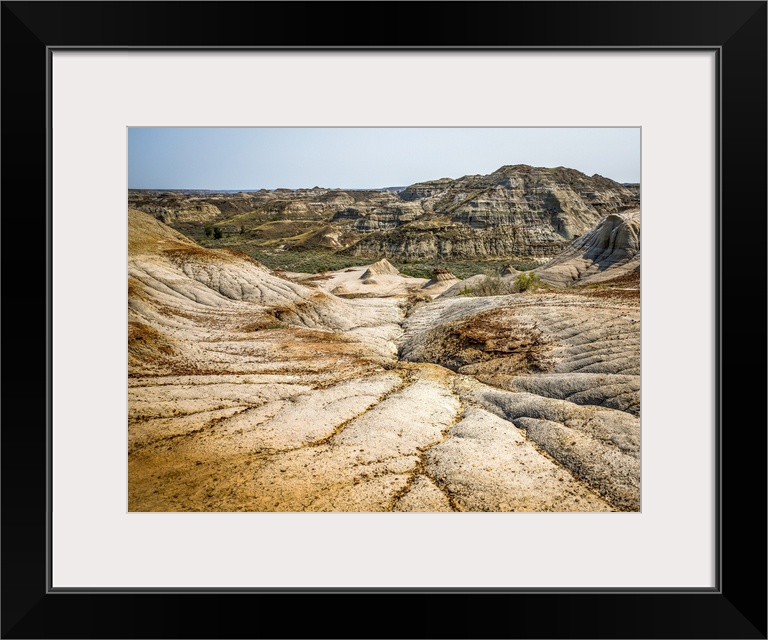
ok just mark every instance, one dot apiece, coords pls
pixel 453 345
pixel 105 514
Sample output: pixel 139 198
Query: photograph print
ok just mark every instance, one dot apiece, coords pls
pixel 384 319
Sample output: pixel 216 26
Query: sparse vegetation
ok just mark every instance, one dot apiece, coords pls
pixel 309 261
pixel 493 285
pixel 418 271
pixel 526 281
pixel 319 260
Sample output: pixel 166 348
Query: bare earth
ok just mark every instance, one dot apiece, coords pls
pixel 362 390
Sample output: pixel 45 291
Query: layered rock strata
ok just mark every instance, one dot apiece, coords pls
pixel 517 211
pixel 610 249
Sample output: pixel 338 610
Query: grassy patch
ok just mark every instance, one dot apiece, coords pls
pixel 310 261
pixel 319 260
pixel 526 281
pixel 415 271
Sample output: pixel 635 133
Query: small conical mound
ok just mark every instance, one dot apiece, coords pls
pixel 381 268
pixel 509 270
pixel 440 275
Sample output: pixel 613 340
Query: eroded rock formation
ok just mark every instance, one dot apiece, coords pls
pixel 252 392
pixel 516 211
pixel 610 249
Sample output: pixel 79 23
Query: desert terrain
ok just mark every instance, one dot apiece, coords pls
pixel 372 387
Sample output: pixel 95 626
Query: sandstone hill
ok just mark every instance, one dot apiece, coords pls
pixel 517 211
pixel 256 391
pixel 609 250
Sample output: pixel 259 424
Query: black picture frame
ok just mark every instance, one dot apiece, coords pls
pixel 736 608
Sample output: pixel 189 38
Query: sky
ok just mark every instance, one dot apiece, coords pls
pixel 365 158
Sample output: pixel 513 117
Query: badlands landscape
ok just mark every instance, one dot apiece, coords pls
pixel 454 345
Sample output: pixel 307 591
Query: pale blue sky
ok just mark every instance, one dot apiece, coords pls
pixel 270 158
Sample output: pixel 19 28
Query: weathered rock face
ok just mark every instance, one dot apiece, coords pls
pixel 610 249
pixel 456 241
pixel 173 208
pixel 428 189
pixel 510 192
pixel 378 215
pixel 516 211
pixel 563 369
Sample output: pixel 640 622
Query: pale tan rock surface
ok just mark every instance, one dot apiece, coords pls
pixel 251 392
pixel 610 249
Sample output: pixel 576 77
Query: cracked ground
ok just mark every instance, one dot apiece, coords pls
pixel 251 392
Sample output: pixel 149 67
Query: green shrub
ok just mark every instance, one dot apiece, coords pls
pixel 493 285
pixel 217 233
pixel 208 230
pixel 527 280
